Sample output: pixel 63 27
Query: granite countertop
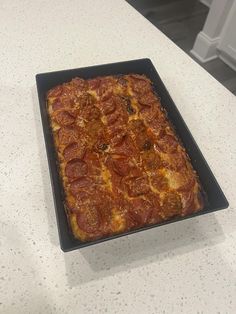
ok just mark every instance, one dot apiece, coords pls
pixel 186 267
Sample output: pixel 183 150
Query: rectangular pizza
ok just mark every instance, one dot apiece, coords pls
pixel 120 160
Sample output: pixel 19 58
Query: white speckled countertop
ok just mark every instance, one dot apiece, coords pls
pixel 186 267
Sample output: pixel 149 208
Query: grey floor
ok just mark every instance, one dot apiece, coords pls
pixel 181 21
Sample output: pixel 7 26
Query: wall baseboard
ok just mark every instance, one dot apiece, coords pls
pixel 228 60
pixel 205 48
pixel 197 56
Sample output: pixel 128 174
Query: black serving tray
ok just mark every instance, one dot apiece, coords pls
pixel 45 81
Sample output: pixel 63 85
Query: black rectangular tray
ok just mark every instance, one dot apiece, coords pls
pixel 45 81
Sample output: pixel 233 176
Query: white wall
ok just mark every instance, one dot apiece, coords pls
pixel 210 41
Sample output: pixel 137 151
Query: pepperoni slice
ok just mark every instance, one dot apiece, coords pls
pixel 143 141
pixel 117 136
pixel 57 105
pixel 105 87
pixel 67 135
pixel 92 113
pixel 108 106
pixel 113 117
pixel 140 84
pixel 74 150
pixel 56 91
pixel 168 144
pixel 151 160
pixel 79 83
pixel 158 122
pixel 82 183
pixel 147 99
pixel 75 169
pixel 149 113
pixel 121 166
pixel 94 83
pixel 137 186
pixel 171 205
pixel 137 126
pixel 120 114
pixel 64 118
pixel 175 161
pixel 85 100
pixel 160 182
pixel 125 148
pixel 140 212
pixel 104 93
pixel 89 219
pixel 62 103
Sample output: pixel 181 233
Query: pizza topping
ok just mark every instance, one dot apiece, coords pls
pixel 151 160
pixel 67 135
pixel 108 106
pixel 140 212
pixel 121 166
pixel 104 91
pixel 74 150
pixel 89 219
pixel 159 182
pixel 167 144
pixel 76 168
pixel 143 142
pixel 57 105
pixel 141 85
pixel 94 83
pixel 103 146
pixel 56 91
pixel 117 136
pixel 64 118
pixel 147 99
pixel 79 84
pixel 125 148
pixel 171 205
pixel 127 105
pixel 147 145
pixel 137 186
pixel 149 113
pixel 81 183
pixel 130 109
pixel 94 114
pixel 175 161
pixel 137 126
pixel 85 100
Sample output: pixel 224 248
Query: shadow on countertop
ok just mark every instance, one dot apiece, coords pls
pixel 140 249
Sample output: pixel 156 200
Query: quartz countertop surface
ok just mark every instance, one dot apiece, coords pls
pixel 186 267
